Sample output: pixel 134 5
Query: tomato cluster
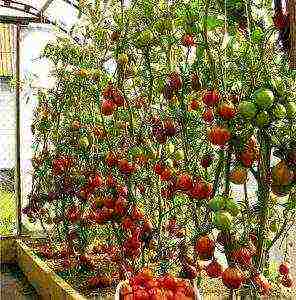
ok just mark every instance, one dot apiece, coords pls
pixel 145 286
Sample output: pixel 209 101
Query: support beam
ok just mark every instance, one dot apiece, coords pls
pixel 46 5
pixel 292 22
pixel 18 192
pixel 23 7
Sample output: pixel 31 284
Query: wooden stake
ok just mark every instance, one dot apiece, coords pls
pixel 292 20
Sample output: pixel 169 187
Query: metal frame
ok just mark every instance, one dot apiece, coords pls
pixel 19 6
pixel 28 9
pixel 18 190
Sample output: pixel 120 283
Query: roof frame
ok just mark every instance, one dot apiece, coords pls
pixel 23 7
pixel 35 15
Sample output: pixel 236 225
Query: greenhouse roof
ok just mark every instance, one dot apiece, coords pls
pixel 64 13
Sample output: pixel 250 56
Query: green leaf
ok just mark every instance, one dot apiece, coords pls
pixel 212 22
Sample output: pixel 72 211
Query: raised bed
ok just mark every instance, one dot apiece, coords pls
pixel 46 282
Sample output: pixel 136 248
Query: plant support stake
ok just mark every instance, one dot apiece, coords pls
pixel 292 21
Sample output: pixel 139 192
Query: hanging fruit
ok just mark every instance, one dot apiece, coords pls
pixel 214 269
pixel 233 278
pixel 210 98
pixel 219 135
pixel 226 110
pixel 205 248
pixel 238 175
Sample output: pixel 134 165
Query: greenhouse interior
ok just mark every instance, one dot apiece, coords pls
pixel 148 149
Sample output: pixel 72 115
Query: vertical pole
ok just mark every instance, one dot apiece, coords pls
pixel 18 140
pixel 292 22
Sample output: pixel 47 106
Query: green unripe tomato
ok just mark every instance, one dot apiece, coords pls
pixel 179 154
pixel 123 59
pixel 291 110
pixel 222 220
pixel 257 35
pixel 279 85
pixel 144 39
pixel 273 227
pixel 264 98
pixel 262 119
pixel 217 203
pixel 247 109
pixel 170 163
pixel 170 148
pixel 136 151
pixel 158 26
pixel 83 142
pixel 232 207
pixel 279 111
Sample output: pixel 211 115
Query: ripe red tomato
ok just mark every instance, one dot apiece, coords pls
pixel 206 161
pixel 284 268
pixel 108 91
pixel 111 159
pixel 247 159
pixel 170 128
pixel 201 190
pixel 226 111
pixel 242 256
pixel 219 135
pixel 109 202
pixel 187 40
pixel 184 182
pixel 72 214
pixel 93 282
pixel 233 278
pixel 214 269
pixel 205 247
pixel 280 20
pixel 194 104
pixel 210 98
pixel 141 294
pixel 166 174
pixel 125 167
pixel 208 115
pixel 111 181
pixel 120 207
pixel 108 107
pixel 95 181
pixel 175 81
pixel 158 168
pixel 136 214
pixel 168 281
pixel 118 99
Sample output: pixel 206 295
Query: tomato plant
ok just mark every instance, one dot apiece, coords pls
pixel 156 116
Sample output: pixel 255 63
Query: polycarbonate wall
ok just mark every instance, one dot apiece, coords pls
pixel 7 130
pixel 34 74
